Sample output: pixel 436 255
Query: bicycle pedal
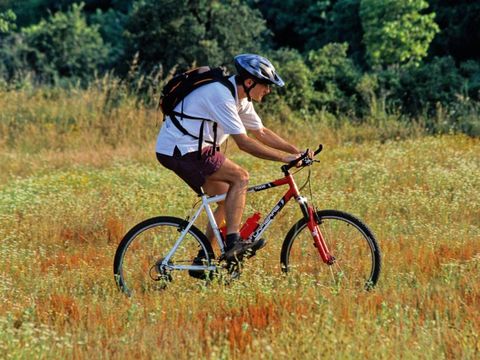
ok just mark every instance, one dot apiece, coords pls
pixel 235 274
pixel 257 245
pixel 234 269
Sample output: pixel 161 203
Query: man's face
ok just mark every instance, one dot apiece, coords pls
pixel 259 91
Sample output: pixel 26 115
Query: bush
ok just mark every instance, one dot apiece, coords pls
pixel 422 88
pixel 111 26
pixel 297 93
pixel 396 31
pixel 334 78
pixel 65 46
pixel 7 21
pixel 185 33
pixel 14 66
pixel 471 71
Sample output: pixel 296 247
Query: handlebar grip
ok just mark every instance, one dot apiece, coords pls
pixel 320 148
pixel 293 163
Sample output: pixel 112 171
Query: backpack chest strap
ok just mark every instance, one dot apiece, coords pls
pixel 200 139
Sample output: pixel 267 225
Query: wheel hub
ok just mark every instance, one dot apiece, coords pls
pixel 159 271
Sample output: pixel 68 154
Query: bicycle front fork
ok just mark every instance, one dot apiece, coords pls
pixel 319 240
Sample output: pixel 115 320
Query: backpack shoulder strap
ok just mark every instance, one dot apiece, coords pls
pixel 220 75
pixel 229 86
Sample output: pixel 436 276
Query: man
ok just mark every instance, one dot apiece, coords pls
pixel 210 171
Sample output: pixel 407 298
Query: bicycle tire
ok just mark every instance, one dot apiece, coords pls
pixel 356 251
pixel 135 260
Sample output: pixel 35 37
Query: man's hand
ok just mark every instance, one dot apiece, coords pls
pixel 289 158
pixel 311 153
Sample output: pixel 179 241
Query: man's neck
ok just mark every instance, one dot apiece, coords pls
pixel 240 90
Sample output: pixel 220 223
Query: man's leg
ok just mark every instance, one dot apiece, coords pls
pixel 213 188
pixel 237 180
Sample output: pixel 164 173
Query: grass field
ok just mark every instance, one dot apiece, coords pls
pixel 66 200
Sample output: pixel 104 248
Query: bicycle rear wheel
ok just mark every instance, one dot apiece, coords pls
pixel 137 265
pixel 357 255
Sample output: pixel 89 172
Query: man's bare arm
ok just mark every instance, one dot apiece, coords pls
pixel 257 149
pixel 273 140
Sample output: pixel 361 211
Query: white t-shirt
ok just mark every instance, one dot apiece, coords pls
pixel 213 101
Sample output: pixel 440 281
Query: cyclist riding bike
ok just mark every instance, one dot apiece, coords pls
pixel 208 170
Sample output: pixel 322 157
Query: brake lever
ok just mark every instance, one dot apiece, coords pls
pixel 307 162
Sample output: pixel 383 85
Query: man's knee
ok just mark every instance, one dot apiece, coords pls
pixel 242 177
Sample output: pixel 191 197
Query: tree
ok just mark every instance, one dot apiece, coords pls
pixel 344 26
pixel 396 31
pixel 183 33
pixel 460 31
pixel 297 24
pixel 112 21
pixel 32 11
pixel 438 82
pixel 298 92
pixel 334 78
pixel 7 21
pixel 65 45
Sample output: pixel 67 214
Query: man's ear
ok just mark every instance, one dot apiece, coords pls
pixel 248 82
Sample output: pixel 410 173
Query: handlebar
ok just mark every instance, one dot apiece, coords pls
pixel 302 158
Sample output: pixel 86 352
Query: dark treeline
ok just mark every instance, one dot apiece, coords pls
pixel 418 60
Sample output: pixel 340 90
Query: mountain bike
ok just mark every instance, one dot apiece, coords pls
pixel 332 246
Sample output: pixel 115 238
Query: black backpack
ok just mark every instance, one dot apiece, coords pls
pixel 183 84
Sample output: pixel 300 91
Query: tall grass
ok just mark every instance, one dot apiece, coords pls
pixel 58 119
pixel 67 198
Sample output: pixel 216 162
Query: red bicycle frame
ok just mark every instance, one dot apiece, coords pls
pixel 307 211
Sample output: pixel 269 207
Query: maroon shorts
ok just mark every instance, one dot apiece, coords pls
pixel 192 169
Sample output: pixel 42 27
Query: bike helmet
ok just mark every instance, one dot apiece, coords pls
pixel 258 68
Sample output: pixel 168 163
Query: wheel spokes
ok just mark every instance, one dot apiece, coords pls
pixel 142 267
pixel 349 245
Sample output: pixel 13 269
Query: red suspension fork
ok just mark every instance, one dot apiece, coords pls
pixel 317 235
pixel 319 239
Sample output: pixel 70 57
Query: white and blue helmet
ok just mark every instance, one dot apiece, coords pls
pixel 258 68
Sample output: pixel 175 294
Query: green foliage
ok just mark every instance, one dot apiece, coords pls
pixel 367 88
pixel 112 19
pixel 111 26
pixel 183 33
pixel 298 24
pixel 396 31
pixel 437 82
pixel 15 68
pixel 334 77
pixel 471 71
pixel 65 46
pixel 460 31
pixel 298 92
pixel 32 11
pixel 7 20
pixel 345 26
pixel 324 81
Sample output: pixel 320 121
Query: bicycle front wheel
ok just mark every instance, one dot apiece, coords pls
pixel 357 255
pixel 139 266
